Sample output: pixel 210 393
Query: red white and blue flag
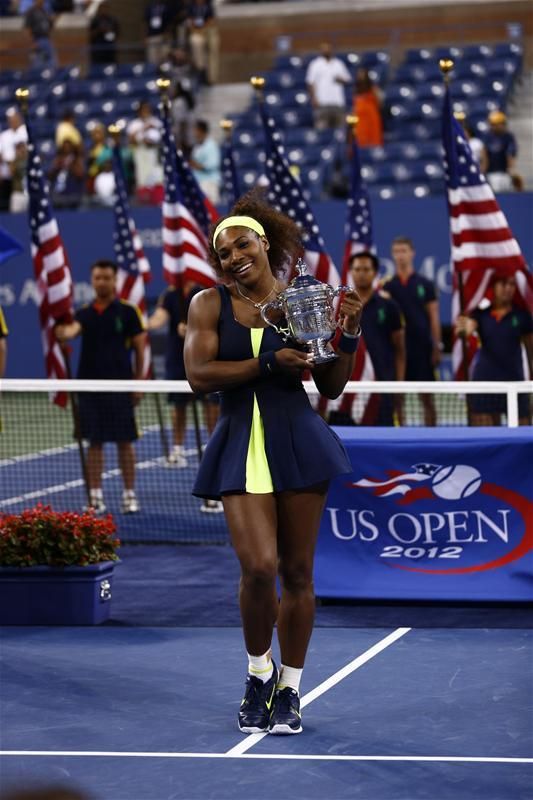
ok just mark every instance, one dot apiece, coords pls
pixel 481 240
pixel 51 267
pixel 133 266
pixel 231 186
pixel 358 227
pixel 187 216
pixel 285 193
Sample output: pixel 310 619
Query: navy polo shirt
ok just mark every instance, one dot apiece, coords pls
pixel 176 304
pixel 412 297
pixel 106 340
pixel 380 319
pixel 500 356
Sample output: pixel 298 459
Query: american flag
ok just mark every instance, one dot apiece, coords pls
pixel 285 193
pixel 134 268
pixel 51 267
pixel 360 407
pixel 481 240
pixel 231 189
pixel 187 216
pixel 358 228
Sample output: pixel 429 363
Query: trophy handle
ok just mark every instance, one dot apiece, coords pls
pixel 275 305
pixel 339 290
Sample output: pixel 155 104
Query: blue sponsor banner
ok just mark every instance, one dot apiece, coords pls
pixel 88 235
pixel 443 514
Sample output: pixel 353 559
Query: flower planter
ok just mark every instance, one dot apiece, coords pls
pixel 43 595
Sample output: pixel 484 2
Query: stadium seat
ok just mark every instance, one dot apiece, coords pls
pixel 477 52
pixel 286 79
pixel 417 55
pixel 430 91
pixel 469 70
pixel 400 92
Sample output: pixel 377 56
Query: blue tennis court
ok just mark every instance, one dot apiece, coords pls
pixel 150 714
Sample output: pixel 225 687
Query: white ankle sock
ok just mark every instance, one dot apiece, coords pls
pixel 290 676
pixel 261 666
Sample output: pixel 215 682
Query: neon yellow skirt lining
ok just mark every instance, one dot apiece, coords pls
pixel 258 477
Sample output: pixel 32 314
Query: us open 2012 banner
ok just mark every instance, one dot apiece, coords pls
pixel 441 514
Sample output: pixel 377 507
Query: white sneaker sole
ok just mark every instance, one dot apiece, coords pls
pixel 252 730
pixel 284 730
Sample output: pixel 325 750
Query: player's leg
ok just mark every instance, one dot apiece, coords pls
pixel 95 467
pixel 126 460
pixel 178 415
pixel 299 515
pixel 252 523
pixel 430 414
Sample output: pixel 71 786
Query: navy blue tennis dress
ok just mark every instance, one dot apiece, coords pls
pixel 267 438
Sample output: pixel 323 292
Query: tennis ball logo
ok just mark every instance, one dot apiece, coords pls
pixel 455 482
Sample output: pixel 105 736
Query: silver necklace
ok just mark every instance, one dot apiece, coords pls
pixel 260 303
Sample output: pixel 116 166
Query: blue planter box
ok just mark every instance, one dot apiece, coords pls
pixel 56 595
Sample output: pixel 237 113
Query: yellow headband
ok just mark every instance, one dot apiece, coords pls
pixel 239 222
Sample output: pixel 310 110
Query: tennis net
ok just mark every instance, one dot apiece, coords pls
pixel 43 458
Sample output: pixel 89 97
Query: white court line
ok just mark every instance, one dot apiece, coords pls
pixel 254 738
pixel 271 756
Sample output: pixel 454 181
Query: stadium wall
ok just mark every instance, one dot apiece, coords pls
pixel 88 235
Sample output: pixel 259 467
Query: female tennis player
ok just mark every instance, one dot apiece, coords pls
pixel 271 456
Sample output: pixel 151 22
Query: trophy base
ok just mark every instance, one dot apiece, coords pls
pixel 321 351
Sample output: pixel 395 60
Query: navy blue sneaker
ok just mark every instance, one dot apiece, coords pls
pixel 286 717
pixel 254 713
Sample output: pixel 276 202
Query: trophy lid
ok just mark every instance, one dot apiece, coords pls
pixel 302 280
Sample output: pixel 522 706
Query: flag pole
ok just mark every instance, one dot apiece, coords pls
pixel 446 66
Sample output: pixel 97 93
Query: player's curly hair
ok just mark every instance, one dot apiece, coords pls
pixel 282 232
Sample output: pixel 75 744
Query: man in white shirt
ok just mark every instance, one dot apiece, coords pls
pixel 144 135
pixel 326 78
pixel 13 135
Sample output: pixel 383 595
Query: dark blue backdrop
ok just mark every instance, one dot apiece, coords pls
pixel 88 235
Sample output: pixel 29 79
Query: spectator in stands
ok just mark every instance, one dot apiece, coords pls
pixel 3 343
pixel 172 310
pixel 126 156
pixel 155 22
pixel 98 153
pixel 326 78
pixel 502 328
pixel 105 185
pixel 67 176
pixel 202 34
pixel 144 136
pixel 182 105
pixel 499 154
pixel 205 161
pixel 104 31
pixel 39 22
pixel 417 298
pixel 66 129
pixel 19 191
pixel 367 101
pixel 10 137
pixel 384 335
pixel 177 16
pixel 111 331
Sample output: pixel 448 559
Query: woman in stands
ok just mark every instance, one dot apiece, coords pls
pixel 271 457
pixel 367 108
pixel 502 327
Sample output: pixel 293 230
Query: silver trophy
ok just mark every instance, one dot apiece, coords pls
pixel 307 305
